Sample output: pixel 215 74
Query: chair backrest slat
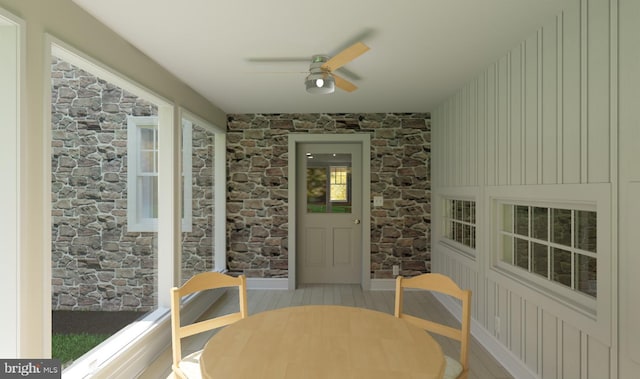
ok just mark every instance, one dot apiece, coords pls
pixel 442 284
pixel 201 282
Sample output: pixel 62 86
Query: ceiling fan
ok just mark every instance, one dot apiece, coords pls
pixel 321 77
pixel 323 80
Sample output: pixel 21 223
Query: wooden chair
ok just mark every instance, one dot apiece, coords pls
pixel 458 369
pixel 189 366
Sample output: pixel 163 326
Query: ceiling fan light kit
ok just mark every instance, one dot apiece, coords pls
pixel 319 80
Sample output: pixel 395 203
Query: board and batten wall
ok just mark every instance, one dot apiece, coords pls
pixel 554 119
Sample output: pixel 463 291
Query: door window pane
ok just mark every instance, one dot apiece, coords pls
pixel 338 184
pixel 316 190
pixel 328 183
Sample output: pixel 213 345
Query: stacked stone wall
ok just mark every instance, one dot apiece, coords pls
pixel 96 263
pixel 197 245
pixel 257 198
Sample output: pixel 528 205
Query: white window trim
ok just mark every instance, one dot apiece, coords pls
pixel 134 354
pixel 578 299
pixel 135 223
pixel 460 247
pixel 168 236
pixel 12 320
pixel 440 197
pixel 592 315
pixel 219 187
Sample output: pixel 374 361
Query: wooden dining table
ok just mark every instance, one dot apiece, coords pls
pixel 322 341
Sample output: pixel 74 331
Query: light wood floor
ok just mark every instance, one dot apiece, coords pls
pixel 482 364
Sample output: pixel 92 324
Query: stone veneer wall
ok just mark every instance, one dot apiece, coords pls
pixel 96 263
pixel 257 198
pixel 197 245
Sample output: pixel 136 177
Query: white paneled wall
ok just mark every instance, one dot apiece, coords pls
pixel 629 188
pixel 544 114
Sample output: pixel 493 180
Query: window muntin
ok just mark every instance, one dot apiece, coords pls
pixel 460 221
pixel 558 244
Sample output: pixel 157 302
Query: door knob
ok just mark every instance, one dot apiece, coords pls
pixel 356 221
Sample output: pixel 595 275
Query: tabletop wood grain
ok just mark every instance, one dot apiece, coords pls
pixel 322 341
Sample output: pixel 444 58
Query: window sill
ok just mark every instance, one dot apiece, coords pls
pixel 459 248
pixel 567 297
pixel 588 314
pixel 123 341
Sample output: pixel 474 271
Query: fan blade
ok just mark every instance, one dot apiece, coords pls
pixel 344 84
pixel 345 56
pixel 278 60
pixel 277 72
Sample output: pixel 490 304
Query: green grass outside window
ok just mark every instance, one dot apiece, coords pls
pixel 69 347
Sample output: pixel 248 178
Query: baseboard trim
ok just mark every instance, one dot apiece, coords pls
pixel 267 283
pixel 283 284
pixel 500 353
pixel 383 284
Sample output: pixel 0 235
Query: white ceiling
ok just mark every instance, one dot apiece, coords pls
pixel 421 50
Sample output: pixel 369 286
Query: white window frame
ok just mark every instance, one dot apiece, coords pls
pixel 101 357
pixel 135 221
pixel 441 196
pixel 219 186
pixel 446 219
pixel 588 313
pixel 12 112
pixel 132 349
pixel 572 249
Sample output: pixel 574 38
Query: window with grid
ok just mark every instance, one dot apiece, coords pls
pixel 142 197
pixel 558 244
pixel 338 184
pixel 460 221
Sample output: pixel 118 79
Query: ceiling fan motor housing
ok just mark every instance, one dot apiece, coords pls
pixel 319 80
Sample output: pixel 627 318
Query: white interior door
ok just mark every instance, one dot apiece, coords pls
pixel 329 212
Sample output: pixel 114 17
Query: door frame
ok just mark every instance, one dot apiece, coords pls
pixel 364 139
